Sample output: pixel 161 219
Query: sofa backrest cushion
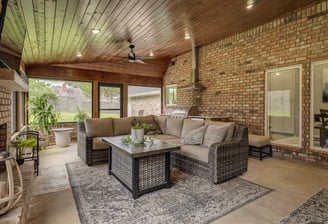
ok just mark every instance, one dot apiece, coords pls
pixel 230 128
pixel 174 126
pixel 214 134
pixel 122 126
pixel 144 118
pixel 195 137
pixel 189 125
pixel 161 121
pixel 99 127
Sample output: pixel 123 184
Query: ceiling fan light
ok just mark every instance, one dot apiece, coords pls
pixel 131 56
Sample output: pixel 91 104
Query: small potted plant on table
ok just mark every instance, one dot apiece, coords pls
pixel 138 131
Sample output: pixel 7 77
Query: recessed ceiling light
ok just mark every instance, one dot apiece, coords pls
pixel 95 31
pixel 250 4
pixel 78 54
pixel 187 36
pixel 277 73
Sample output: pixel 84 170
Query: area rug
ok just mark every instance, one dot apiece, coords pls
pixel 101 198
pixel 314 210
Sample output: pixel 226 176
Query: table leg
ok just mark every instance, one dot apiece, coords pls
pixel 167 169
pixel 135 178
pixel 110 161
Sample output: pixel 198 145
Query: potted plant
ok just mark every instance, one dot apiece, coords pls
pixel 138 131
pixel 42 113
pixel 21 145
pixel 81 115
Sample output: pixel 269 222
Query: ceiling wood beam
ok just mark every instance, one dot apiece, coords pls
pixel 55 72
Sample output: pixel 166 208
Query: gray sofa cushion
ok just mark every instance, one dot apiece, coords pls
pixel 214 134
pixel 195 152
pixel 190 125
pixel 99 127
pixel 174 126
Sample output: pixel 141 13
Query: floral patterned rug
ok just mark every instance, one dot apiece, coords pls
pixel 314 210
pixel 100 198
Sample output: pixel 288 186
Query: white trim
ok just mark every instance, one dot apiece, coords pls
pixel 299 66
pixel 313 64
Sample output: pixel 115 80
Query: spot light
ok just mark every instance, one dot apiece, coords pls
pixel 78 54
pixel 95 31
pixel 187 36
pixel 151 54
pixel 250 4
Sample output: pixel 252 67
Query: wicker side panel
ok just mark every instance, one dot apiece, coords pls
pixel 229 159
pixel 151 171
pixel 85 147
pixel 122 167
pixel 190 165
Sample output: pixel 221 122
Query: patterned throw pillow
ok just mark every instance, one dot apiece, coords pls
pixel 214 134
pixel 195 137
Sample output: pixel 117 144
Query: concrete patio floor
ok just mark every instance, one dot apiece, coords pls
pixel 292 183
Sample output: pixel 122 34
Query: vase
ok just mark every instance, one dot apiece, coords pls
pixel 140 135
pixel 137 135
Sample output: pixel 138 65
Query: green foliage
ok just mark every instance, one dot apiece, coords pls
pixel 81 114
pixel 85 87
pixel 41 109
pixel 141 125
pixel 20 144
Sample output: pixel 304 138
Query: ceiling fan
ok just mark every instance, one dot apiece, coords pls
pixel 132 56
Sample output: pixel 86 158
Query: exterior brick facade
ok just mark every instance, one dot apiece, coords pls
pixel 233 72
pixel 5 115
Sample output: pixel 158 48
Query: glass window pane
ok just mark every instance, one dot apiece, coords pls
pixel 144 100
pixel 74 97
pixel 283 105
pixel 319 133
pixel 171 95
pixel 110 100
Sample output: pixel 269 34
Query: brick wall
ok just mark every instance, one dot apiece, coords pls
pixel 233 71
pixel 5 115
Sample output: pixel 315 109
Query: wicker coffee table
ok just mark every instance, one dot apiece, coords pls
pixel 140 168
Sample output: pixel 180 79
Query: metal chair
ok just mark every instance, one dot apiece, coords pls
pixel 34 153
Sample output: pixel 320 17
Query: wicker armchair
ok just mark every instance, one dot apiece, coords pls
pixel 226 160
pixel 85 147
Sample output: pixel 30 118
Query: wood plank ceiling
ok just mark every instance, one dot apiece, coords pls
pixel 56 30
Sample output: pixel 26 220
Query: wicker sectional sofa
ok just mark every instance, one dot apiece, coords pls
pixel 221 155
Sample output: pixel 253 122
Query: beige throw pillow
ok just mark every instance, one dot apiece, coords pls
pixel 214 134
pixel 174 126
pixel 195 137
pixel 99 127
pixel 189 125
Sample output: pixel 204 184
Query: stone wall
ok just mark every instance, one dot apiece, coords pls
pixel 233 71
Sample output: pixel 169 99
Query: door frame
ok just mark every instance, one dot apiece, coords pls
pixel 299 66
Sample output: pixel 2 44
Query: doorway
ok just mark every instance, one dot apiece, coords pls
pixel 283 105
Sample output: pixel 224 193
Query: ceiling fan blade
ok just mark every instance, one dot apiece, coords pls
pixel 139 61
